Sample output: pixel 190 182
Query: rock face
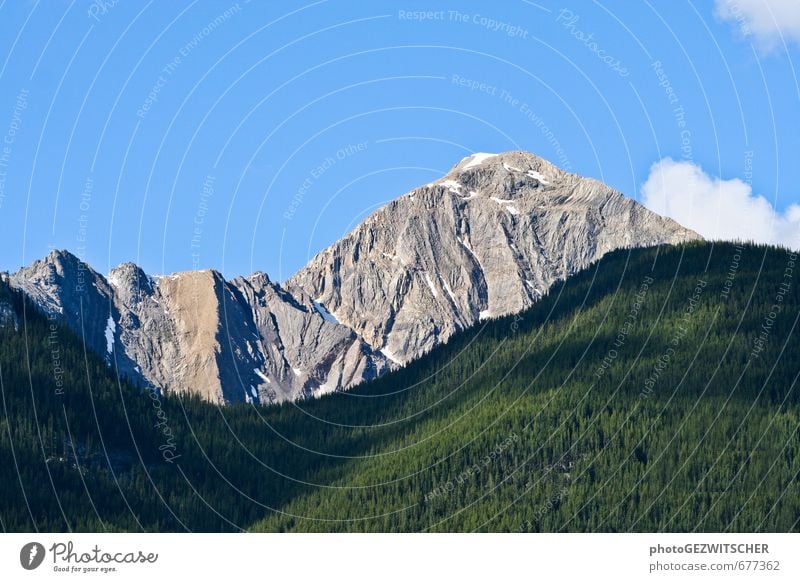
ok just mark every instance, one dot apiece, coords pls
pixel 8 317
pixel 65 287
pixel 194 332
pixel 485 240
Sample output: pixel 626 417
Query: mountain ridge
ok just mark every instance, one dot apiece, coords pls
pixel 194 330
pixel 485 240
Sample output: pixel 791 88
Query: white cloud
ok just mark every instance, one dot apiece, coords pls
pixel 716 208
pixel 770 22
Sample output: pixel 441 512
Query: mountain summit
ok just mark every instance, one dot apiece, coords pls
pixel 194 332
pixel 486 240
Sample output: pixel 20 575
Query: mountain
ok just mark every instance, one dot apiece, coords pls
pixel 65 288
pixel 486 240
pixel 655 390
pixel 247 339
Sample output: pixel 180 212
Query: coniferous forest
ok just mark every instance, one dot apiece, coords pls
pixel 656 390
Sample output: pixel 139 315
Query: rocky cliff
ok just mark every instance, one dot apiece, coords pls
pixel 485 240
pixel 195 332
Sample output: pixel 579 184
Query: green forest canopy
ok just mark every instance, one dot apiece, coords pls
pixel 654 391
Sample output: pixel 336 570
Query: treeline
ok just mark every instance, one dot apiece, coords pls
pixel 656 390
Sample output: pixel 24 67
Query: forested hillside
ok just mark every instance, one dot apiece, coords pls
pixel 656 390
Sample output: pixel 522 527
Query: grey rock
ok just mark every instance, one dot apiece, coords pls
pixel 248 340
pixel 318 355
pixel 486 240
pixel 65 287
pixel 8 316
pixel 243 340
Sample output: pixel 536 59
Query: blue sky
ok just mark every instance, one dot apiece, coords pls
pixel 249 136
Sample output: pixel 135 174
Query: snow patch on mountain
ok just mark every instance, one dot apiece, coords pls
pixel 477 160
pixel 326 315
pixel 111 329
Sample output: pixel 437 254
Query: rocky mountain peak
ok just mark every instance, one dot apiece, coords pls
pixel 63 286
pixel 57 264
pixel 60 279
pixel 516 160
pixel 504 176
pixel 130 279
pixel 60 256
pixel 485 240
pixel 244 340
pixel 259 278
